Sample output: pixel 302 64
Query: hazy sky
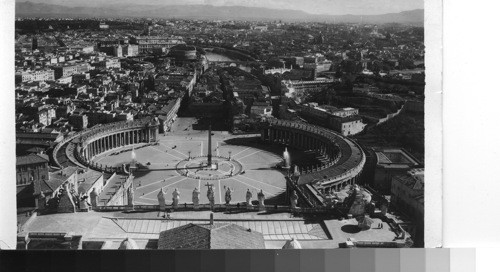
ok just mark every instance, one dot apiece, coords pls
pixel 311 6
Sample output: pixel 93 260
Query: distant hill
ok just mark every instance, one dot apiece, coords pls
pixel 415 17
pixel 30 9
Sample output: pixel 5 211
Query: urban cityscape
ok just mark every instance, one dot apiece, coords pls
pixel 185 132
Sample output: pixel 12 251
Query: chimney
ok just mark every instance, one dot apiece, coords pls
pixel 211 218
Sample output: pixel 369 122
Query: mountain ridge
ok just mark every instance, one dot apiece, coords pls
pixel 30 9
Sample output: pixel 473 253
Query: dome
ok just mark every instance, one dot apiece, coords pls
pixel 128 243
pixel 292 244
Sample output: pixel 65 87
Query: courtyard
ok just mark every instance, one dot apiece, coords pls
pixel 252 166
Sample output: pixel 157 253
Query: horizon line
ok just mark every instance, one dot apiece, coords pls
pixel 261 7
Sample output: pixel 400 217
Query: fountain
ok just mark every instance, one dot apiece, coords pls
pixel 133 162
pixel 286 159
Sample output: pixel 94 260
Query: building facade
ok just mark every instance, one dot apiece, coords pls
pixel 35 75
pixel 407 195
pixel 345 121
pixel 152 43
pixel 31 168
pixel 70 68
pixel 391 162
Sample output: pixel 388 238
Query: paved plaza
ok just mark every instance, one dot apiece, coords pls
pixel 253 165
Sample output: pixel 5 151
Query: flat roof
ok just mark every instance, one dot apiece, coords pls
pixel 394 157
pixel 276 228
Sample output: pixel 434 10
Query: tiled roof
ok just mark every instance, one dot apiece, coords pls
pixel 120 228
pixel 57 178
pixel 211 236
pixel 188 236
pixel 31 159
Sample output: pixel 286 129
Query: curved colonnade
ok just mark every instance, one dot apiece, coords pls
pixel 344 158
pixel 343 165
pixel 82 147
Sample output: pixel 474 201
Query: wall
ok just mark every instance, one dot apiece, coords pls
pixel 390 116
pixel 33 172
pixel 120 196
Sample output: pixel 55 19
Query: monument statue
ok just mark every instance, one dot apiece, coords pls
pixel 331 199
pixel 249 198
pixel 364 222
pixel 130 194
pixel 227 198
pixel 286 159
pixel 196 198
pixel 161 199
pixel 93 198
pixel 84 205
pixel 294 200
pixel 359 201
pixel 66 203
pixel 210 195
pixel 261 197
pixel 175 198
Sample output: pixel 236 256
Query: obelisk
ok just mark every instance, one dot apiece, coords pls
pixel 209 154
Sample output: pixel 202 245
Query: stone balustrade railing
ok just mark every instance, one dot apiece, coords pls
pixel 217 207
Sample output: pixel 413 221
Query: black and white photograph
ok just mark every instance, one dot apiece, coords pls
pixel 223 124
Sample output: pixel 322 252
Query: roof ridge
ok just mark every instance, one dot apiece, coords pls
pixel 48 185
pixel 115 220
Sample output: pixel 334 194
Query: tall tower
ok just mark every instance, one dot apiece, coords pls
pixel 209 155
